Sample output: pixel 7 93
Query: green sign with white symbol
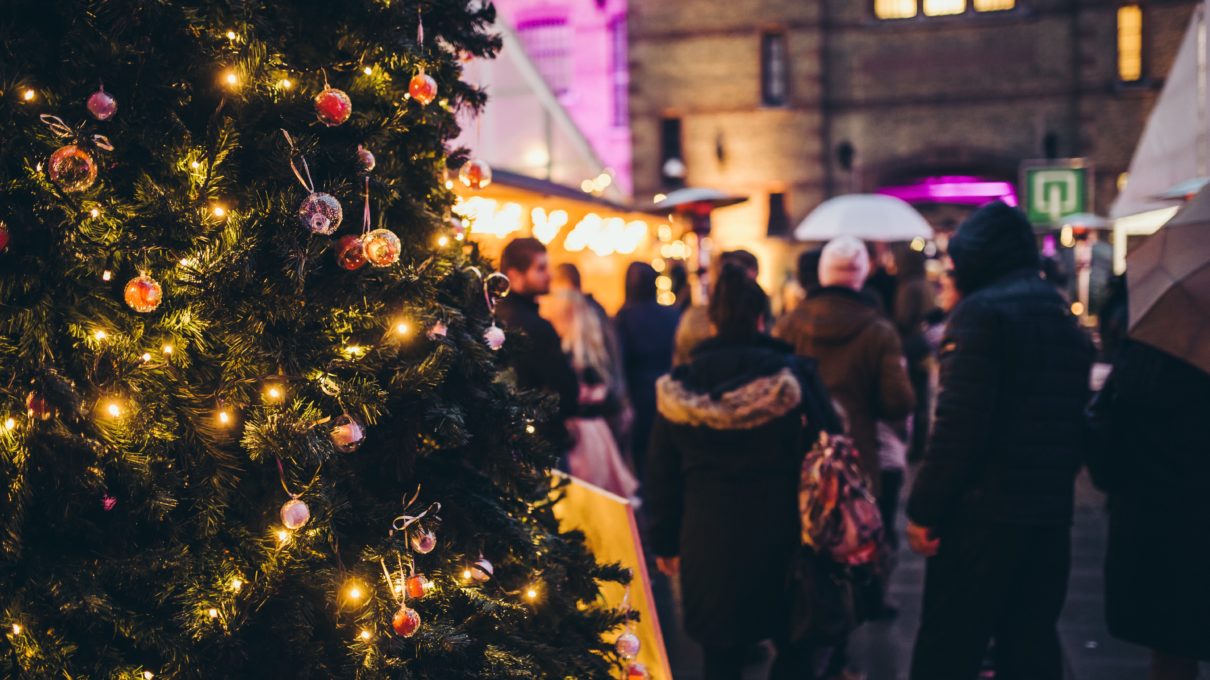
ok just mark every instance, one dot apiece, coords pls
pixel 1052 190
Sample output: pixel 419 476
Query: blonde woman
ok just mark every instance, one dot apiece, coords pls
pixel 595 456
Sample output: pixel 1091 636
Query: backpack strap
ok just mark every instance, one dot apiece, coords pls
pixel 816 402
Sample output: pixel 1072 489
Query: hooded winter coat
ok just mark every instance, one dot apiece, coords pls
pixel 1152 455
pixel 722 479
pixel 1008 436
pixel 860 362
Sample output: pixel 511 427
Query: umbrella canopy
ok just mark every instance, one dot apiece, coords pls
pixel 1169 285
pixel 1086 221
pixel 869 217
pixel 696 197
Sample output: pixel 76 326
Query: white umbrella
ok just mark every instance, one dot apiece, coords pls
pixel 869 217
pixel 1086 221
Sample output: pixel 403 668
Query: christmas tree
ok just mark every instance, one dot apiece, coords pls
pixel 250 424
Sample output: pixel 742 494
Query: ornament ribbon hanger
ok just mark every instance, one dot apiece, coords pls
pixel 281 472
pixel 62 129
pixel 365 214
pixel 307 183
pixel 487 292
pixel 400 591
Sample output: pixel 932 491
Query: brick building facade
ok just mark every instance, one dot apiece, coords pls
pixel 808 99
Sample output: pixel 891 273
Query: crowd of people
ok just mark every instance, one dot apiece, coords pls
pixel 982 377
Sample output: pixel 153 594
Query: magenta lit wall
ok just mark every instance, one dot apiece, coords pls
pixel 579 46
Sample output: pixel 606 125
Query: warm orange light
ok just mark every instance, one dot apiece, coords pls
pixel 146 357
pixel 100 334
pixel 531 594
pixel 113 409
pixel 166 349
pixel 94 212
pixel 443 241
pixel 230 78
pixel 231 35
pixel 224 418
pixel 10 423
pixel 236 584
pixel 106 275
pixel 212 613
pixel 28 95
pixel 369 70
pixel 219 211
pixel 365 635
pixel 17 629
pixel 402 328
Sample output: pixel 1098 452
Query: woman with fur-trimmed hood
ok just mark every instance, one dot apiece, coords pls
pixel 722 479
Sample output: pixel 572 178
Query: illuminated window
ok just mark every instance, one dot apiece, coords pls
pixel 1130 43
pixel 939 8
pixel 774 73
pixel 995 5
pixel 895 9
pixel 547 40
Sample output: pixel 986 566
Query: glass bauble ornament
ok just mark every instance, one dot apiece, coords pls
pixel 101 105
pixel 73 168
pixel 349 252
pixel 382 247
pixel 3 237
pixel 475 174
pixel 637 671
pixel 417 586
pixel 438 330
pixel 406 622
pixel 332 106
pixel 347 434
pixel 628 645
pixel 321 213
pixel 423 88
pixel 366 159
pixel 294 514
pixel 143 294
pixel 482 571
pixel 424 542
pixel 494 337
pixel 38 407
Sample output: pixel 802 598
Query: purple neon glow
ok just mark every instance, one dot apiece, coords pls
pixel 956 189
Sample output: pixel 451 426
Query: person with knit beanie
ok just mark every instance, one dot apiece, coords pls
pixel 844 263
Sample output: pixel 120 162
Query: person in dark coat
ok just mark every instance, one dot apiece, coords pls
pixel 537 359
pixel 860 358
pixel 992 503
pixel 1151 454
pixel 722 479
pixel 645 331
pixel 915 300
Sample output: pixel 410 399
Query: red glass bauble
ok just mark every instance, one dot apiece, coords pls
pixel 406 622
pixel 349 252
pixel 423 88
pixel 333 106
pixel 38 407
pixel 72 168
pixel 101 105
pixel 417 586
pixel 143 293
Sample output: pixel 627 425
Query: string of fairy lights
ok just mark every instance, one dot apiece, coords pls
pixel 73 170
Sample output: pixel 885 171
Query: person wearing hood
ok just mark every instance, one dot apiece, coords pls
pixel 722 481
pixel 858 351
pixel 992 503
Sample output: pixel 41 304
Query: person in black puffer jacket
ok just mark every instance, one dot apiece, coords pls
pixel 722 481
pixel 992 503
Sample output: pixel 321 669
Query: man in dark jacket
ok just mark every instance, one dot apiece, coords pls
pixel 858 351
pixel 537 360
pixel 992 503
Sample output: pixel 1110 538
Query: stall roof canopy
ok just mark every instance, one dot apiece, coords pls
pixel 524 129
pixel 1173 148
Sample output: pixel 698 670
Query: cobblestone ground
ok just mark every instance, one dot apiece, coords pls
pixel 883 650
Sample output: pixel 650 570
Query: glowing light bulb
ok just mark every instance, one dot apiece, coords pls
pixel 195 165
pixel 224 418
pixel 401 328
pixel 94 212
pixel 449 184
pixel 286 83
pixel 219 211
pixel 1077 308
pixel 283 536
pixel 114 409
pixel 10 423
pixel 273 393
pixel 466 574
pixel 443 241
pixel 212 613
pixel 530 429
pixel 100 334
pixel 365 634
pixel 146 357
pixel 230 78
pixel 531 594
pixel 148 675
pixel 28 95
pixel 369 70
pixel 236 584
pixel 355 593
pixel 17 629
pixel 106 275
pixel 231 35
pixel 166 349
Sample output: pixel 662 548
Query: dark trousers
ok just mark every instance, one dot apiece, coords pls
pixel 793 662
pixel 888 505
pixel 994 581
